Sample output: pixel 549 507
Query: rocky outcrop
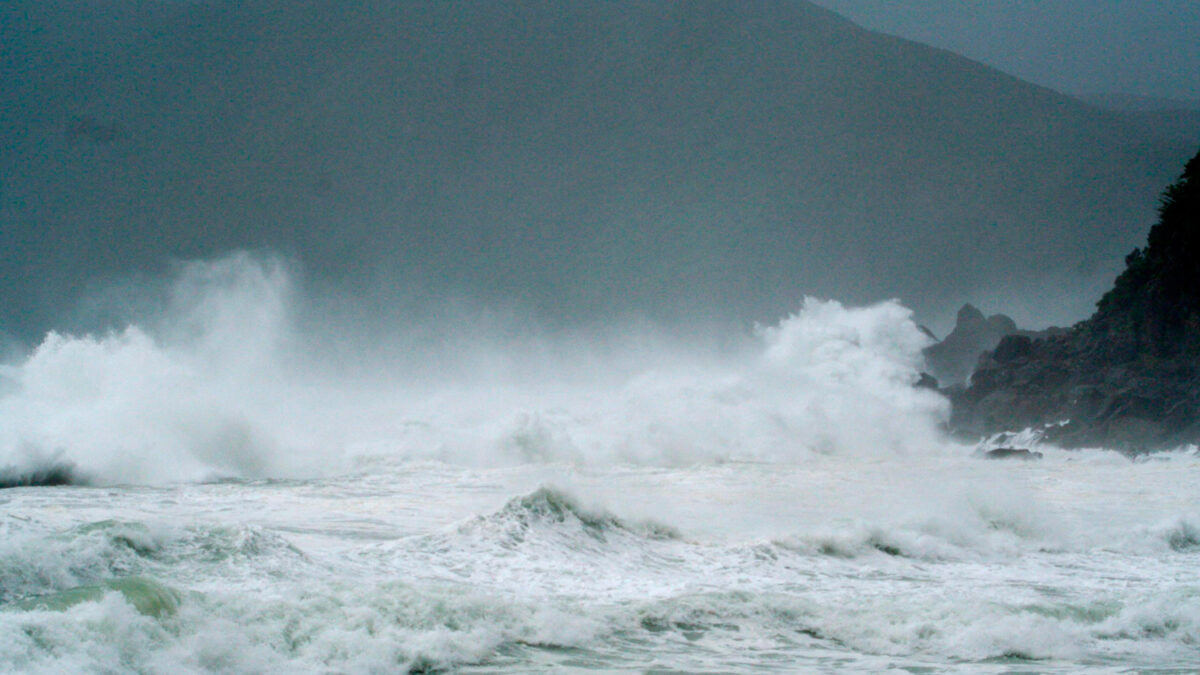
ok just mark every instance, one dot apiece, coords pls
pixel 1054 384
pixel 953 359
pixel 1128 377
pixel 1011 453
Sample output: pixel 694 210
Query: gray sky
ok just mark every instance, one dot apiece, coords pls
pixel 1142 47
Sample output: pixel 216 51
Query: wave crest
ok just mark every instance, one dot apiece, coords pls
pixel 225 383
pixel 548 508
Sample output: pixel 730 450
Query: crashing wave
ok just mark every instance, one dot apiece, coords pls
pixel 147 596
pixel 46 475
pixel 550 508
pixel 224 383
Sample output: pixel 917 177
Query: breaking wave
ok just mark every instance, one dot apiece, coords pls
pixel 549 508
pixel 552 579
pixel 225 382
pixel 37 473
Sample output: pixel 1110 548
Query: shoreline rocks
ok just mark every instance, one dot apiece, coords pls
pixel 1127 378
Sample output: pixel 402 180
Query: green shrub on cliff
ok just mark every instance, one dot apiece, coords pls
pixel 1153 308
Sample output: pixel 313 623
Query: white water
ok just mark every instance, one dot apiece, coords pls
pixel 553 502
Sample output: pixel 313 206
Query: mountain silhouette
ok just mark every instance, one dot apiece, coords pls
pixel 676 158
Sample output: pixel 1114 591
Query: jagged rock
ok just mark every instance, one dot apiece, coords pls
pixel 953 359
pixel 1012 453
pixel 927 381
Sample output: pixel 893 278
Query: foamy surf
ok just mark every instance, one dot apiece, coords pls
pixel 727 567
pixel 201 491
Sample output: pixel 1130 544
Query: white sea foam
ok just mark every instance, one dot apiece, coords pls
pixel 784 501
pixel 224 383
pixel 576 578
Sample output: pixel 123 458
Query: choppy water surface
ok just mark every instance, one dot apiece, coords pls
pixel 938 564
pixel 616 501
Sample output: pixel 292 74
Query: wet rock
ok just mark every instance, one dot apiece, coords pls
pixel 1012 453
pixel 926 381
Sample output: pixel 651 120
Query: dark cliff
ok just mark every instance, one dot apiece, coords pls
pixel 1129 376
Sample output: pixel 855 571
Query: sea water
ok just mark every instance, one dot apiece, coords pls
pixel 241 501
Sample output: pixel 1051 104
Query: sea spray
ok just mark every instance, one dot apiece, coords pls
pixel 222 382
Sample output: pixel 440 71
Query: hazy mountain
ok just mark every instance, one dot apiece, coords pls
pixel 676 158
pixel 1166 118
pixel 1135 103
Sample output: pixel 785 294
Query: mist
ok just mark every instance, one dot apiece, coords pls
pixel 236 375
pixel 675 163
pixel 564 335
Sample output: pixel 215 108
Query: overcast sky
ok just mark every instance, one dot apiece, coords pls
pixel 1142 47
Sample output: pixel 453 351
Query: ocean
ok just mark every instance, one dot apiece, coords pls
pixel 251 491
